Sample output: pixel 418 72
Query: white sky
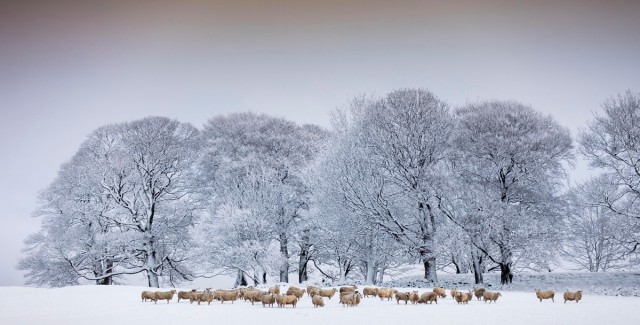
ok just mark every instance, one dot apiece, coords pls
pixel 68 68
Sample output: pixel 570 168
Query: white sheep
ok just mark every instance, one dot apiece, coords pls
pixel 317 301
pixel 440 292
pixel 162 295
pixel 490 296
pixel 572 296
pixel 545 294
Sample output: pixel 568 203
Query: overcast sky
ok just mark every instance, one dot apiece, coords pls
pixel 69 67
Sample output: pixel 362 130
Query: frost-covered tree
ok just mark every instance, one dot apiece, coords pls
pixel 124 203
pixel 245 144
pixel 385 169
pixel 509 172
pixel 591 227
pixel 612 143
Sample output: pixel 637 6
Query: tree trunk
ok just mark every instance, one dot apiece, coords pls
pixel 153 279
pixel 428 245
pixel 152 276
pixel 305 248
pixel 240 280
pixel 380 276
pixel 284 252
pixel 107 268
pixel 344 269
pixel 371 264
pixel 453 260
pixel 506 277
pixel 430 269
pixel 477 267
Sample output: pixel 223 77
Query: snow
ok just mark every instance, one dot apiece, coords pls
pixel 122 304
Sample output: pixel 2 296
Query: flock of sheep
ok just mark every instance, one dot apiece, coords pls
pixel 349 295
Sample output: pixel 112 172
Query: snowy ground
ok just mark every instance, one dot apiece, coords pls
pixel 122 305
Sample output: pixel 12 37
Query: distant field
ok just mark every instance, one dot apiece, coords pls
pixel 610 283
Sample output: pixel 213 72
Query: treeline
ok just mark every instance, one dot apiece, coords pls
pixel 396 180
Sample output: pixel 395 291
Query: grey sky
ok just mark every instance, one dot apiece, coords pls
pixel 70 67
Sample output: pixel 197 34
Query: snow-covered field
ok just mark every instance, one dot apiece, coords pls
pixel 122 305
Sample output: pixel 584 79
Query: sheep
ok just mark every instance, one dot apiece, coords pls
pixel 185 294
pixel 317 301
pixel 402 296
pixel 275 290
pixel 242 291
pixel 348 289
pixel 296 292
pixel 268 299
pixel 453 293
pixel 312 290
pixel 162 295
pixel 253 295
pixel 327 293
pixel 147 295
pixel 490 296
pixel 284 300
pixel 385 293
pixel 479 292
pixel 463 297
pixel 568 295
pixel 350 299
pixel 545 295
pixel 206 295
pixel 429 297
pixel 217 294
pixel 414 297
pixel 440 292
pixel 370 292
pixel 228 296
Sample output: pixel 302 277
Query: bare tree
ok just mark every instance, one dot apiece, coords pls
pixel 612 144
pixel 592 228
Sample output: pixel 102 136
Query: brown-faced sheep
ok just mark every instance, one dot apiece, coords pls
pixel 414 297
pixel 350 299
pixel 478 292
pixel 440 292
pixel 162 295
pixel 284 300
pixel 147 295
pixel 317 301
pixel 327 293
pixel 490 296
pixel 568 295
pixel 370 292
pixel 268 299
pixel 463 297
pixel 429 297
pixel 385 293
pixel 545 294
pixel 453 293
pixel 402 296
